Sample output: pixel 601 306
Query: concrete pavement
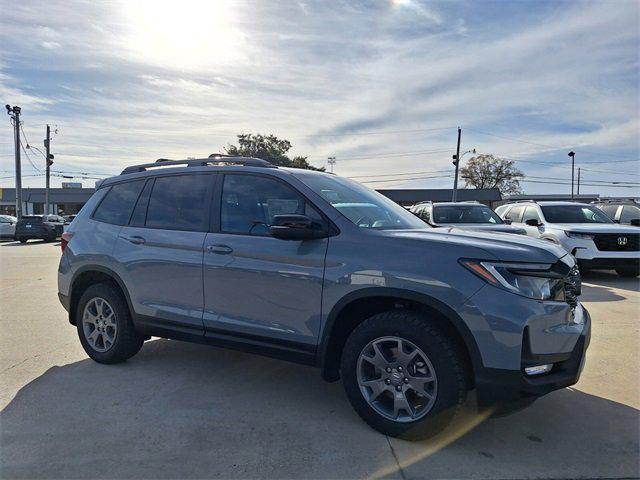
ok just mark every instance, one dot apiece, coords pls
pixel 179 410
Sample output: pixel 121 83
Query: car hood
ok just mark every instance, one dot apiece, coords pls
pixel 490 246
pixel 596 227
pixel 486 227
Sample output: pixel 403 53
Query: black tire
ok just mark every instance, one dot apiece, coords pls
pixel 127 341
pixel 445 356
pixel 22 240
pixel 628 272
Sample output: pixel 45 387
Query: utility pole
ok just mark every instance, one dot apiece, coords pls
pixel 578 181
pixel 47 143
pixel 456 162
pixel 14 113
pixel 332 162
pixel 573 164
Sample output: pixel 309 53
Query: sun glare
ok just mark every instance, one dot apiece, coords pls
pixel 183 34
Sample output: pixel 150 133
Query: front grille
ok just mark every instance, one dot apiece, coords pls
pixel 572 286
pixel 617 242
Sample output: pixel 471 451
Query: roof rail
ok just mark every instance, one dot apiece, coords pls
pixel 214 159
pixel 520 201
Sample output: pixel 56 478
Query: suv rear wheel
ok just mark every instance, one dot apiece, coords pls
pixel 403 375
pixel 104 325
pixel 631 271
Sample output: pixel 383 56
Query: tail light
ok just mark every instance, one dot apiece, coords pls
pixel 64 239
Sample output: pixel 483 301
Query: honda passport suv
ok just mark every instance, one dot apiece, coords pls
pixel 582 230
pixel 314 268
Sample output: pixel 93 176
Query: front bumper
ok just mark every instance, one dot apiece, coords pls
pixel 495 385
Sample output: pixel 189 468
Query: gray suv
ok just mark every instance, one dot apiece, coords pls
pixel 317 269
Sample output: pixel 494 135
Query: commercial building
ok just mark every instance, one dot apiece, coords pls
pixel 407 197
pixel 62 201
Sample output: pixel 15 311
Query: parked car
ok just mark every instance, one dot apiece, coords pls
pixel 583 230
pixel 68 219
pixel 44 227
pixel 622 211
pixel 465 215
pixel 318 269
pixel 7 227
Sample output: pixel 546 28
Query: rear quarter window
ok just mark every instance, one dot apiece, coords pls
pixel 117 205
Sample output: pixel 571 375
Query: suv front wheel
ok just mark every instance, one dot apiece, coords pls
pixel 403 375
pixel 104 325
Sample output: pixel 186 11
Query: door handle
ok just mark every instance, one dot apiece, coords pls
pixel 220 249
pixel 134 239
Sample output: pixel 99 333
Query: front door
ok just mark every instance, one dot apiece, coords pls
pixel 257 286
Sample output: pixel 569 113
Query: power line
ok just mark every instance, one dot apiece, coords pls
pixel 28 157
pixel 396 174
pixel 406 179
pixel 581 184
pixel 555 147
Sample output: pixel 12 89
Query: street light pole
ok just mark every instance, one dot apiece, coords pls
pixel 573 164
pixel 456 162
pixel 14 112
pixel 331 162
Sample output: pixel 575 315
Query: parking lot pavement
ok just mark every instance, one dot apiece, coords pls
pixel 179 410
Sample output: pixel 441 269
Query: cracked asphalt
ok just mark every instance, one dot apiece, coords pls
pixel 179 410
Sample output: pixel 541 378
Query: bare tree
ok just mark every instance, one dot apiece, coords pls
pixel 488 171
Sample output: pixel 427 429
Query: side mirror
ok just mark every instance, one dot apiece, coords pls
pixel 635 222
pixel 295 227
pixel 507 221
pixel 532 222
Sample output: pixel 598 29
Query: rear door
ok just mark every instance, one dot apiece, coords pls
pixel 257 286
pixel 161 251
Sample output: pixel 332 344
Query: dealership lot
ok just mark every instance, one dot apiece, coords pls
pixel 184 410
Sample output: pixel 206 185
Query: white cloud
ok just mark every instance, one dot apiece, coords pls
pixel 564 75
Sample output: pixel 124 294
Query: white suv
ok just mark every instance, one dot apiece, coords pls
pixel 583 230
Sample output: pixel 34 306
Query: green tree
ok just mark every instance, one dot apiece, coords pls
pixel 488 171
pixel 269 148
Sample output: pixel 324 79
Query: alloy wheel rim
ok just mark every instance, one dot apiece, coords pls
pixel 397 379
pixel 99 324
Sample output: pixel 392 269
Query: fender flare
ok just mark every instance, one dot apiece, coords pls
pixel 106 271
pixel 369 292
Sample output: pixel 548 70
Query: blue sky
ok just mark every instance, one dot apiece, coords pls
pixel 381 85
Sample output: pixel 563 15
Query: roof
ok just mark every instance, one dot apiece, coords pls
pixel 452 204
pixel 56 195
pixel 441 194
pixel 550 203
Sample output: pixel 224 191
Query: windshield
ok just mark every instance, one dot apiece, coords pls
pixel 464 214
pixel 364 207
pixel 574 214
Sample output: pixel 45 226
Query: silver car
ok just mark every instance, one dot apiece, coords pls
pixel 8 227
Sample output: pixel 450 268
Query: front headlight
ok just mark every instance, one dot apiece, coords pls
pixel 583 236
pixel 526 279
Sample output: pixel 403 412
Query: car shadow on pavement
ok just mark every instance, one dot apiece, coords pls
pixel 30 242
pixel 612 280
pixel 181 410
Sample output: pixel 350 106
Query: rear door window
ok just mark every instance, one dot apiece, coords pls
pixel 610 210
pixel 514 214
pixel 531 213
pixel 629 212
pixel 180 203
pixel 117 205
